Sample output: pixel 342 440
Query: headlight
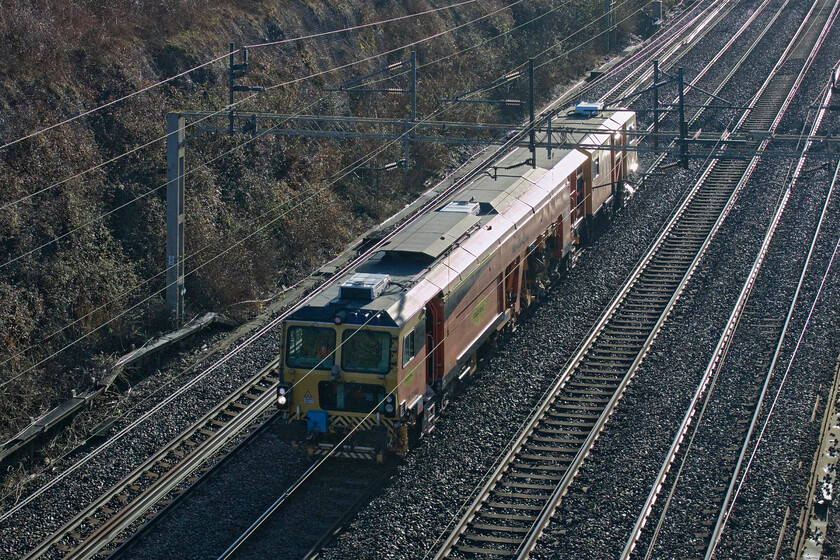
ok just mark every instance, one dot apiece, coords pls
pixel 389 405
pixel 282 396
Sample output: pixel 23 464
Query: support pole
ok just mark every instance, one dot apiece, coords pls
pixel 409 129
pixel 231 80
pixel 175 216
pixel 413 87
pixel 531 112
pixel 548 148
pixel 406 140
pixel 683 125
pixel 655 105
pixel 607 27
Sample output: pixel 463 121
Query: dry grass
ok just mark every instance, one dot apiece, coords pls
pixel 67 56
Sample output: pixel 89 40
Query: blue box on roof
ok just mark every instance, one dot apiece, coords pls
pixel 585 109
pixel 316 421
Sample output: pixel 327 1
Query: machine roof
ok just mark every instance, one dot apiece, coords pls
pixel 432 253
pixel 428 237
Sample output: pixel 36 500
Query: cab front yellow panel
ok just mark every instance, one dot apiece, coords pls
pixel 307 383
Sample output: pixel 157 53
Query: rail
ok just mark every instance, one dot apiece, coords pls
pixel 718 356
pixel 517 502
pixel 465 179
pixel 99 523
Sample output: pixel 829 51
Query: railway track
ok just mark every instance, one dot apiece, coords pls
pixel 634 73
pixel 349 484
pixel 136 496
pixel 164 474
pixel 709 16
pixel 163 477
pixel 516 504
pixel 692 29
pixel 747 386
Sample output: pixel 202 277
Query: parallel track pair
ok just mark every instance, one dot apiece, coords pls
pixel 517 504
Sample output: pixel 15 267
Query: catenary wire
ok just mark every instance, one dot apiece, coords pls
pixel 630 16
pixel 54 240
pixel 312 469
pixel 572 49
pixel 581 202
pixel 334 449
pixel 403 47
pixel 560 43
pixel 230 107
pixel 212 259
pixel 176 378
pixel 361 26
pixel 760 437
pixel 467 500
pixel 146 281
pixel 348 169
pixel 222 57
pixel 192 124
pixel 136 286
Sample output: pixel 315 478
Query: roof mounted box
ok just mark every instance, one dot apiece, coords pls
pixel 364 286
pixel 586 109
pixel 460 207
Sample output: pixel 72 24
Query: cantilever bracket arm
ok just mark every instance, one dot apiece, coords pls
pixel 494 83
pixel 638 93
pixel 382 70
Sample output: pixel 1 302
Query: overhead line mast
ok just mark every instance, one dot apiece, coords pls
pixel 236 71
pixel 408 134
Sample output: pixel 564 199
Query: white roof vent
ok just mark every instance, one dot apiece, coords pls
pixel 364 286
pixel 459 207
pixel 586 109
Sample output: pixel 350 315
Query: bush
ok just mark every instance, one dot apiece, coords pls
pixel 74 271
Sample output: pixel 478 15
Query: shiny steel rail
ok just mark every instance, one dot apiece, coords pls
pixel 669 45
pixel 98 524
pixel 654 49
pixel 688 34
pixel 87 533
pixel 517 502
pixel 94 528
pixel 698 79
pixel 523 491
pixel 719 355
pixel 70 539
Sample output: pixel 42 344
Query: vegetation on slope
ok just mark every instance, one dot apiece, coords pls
pixel 66 272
